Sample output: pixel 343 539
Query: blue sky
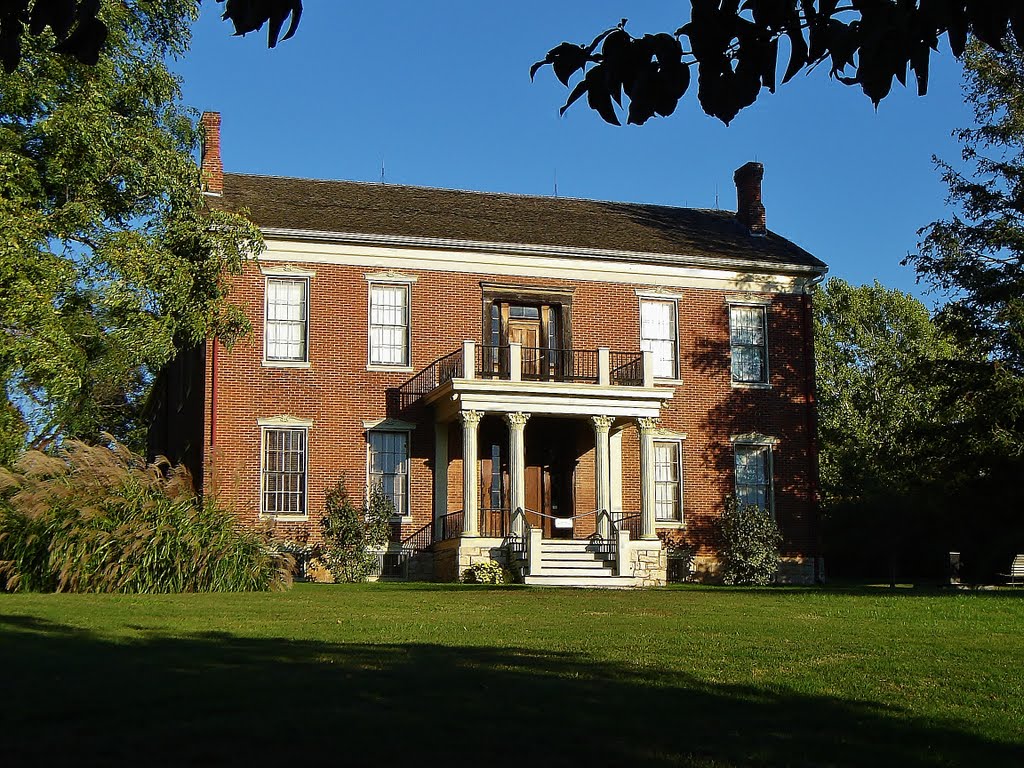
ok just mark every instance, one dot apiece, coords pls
pixel 440 93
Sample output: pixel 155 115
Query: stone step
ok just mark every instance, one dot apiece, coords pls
pixel 573 565
pixel 566 543
pixel 574 556
pixel 583 582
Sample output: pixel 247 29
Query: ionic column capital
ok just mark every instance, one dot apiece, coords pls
pixel 470 418
pixel 517 420
pixel 602 423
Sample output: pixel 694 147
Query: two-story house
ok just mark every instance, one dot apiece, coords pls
pixel 566 386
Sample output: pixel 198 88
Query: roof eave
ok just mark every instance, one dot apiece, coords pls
pixel 694 260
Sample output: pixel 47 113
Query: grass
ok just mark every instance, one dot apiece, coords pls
pixel 398 674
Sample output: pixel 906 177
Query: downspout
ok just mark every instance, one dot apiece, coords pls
pixel 811 425
pixel 213 395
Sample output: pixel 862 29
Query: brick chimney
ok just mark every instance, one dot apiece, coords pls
pixel 210 163
pixel 749 210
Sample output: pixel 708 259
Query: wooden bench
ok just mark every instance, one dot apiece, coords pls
pixel 1016 573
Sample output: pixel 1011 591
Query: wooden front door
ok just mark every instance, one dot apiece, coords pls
pixel 527 333
pixel 549 491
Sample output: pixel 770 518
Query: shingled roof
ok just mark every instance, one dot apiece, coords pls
pixel 686 235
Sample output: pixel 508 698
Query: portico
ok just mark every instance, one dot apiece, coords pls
pixel 527 481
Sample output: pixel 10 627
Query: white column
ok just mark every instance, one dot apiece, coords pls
pixel 470 473
pixel 646 428
pixel 440 474
pixel 517 467
pixel 602 472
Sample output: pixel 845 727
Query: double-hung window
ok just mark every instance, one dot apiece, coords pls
pixel 658 336
pixel 287 319
pixel 754 475
pixel 748 343
pixel 389 467
pixel 389 324
pixel 284 471
pixel 668 483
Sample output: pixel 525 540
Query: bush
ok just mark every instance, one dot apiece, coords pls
pixel 353 535
pixel 100 519
pixel 750 544
pixel 486 573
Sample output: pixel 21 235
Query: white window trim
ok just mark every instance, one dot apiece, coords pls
pixel 756 439
pixel 392 425
pixel 765 305
pixel 283 422
pixel 286 270
pixel 664 436
pixel 286 274
pixel 662 299
pixel 390 279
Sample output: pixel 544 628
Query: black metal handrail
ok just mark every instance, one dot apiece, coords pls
pixel 492 362
pixel 494 522
pixel 572 365
pixel 630 522
pixel 627 368
pixel 439 372
pixel 450 526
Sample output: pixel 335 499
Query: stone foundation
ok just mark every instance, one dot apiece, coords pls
pixel 792 570
pixel 453 556
pixel 647 562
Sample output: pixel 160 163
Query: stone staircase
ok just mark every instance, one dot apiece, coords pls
pixel 576 563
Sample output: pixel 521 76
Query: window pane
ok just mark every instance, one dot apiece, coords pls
pixel 667 485
pixel 753 478
pixel 284 471
pixel 285 325
pixel 748 344
pixel 389 466
pixel 389 324
pixel 658 335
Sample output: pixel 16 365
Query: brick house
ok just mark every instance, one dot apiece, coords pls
pixel 570 387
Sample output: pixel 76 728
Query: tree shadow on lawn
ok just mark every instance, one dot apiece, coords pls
pixel 219 699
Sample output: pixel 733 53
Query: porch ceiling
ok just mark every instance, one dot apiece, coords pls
pixel 547 398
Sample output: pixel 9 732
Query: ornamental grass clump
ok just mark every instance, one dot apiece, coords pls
pixel 100 519
pixel 750 544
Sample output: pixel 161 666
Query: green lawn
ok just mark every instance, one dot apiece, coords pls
pixel 427 675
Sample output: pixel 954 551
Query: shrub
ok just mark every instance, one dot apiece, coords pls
pixel 750 544
pixel 486 573
pixel 353 535
pixel 100 519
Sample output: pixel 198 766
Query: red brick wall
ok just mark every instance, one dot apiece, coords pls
pixel 337 393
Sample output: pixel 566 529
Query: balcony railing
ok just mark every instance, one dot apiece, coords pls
pixel 514 362
pixel 439 372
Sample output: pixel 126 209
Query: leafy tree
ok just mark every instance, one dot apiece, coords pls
pixel 79 28
pixel 878 405
pixel 976 258
pixel 736 48
pixel 109 259
pixel 352 534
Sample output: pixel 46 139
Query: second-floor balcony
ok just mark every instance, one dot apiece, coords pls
pixel 510 376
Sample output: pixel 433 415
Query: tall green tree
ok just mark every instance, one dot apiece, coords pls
pixel 875 350
pixel 975 257
pixel 109 259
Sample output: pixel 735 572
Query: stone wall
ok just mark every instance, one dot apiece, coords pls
pixel 648 563
pixel 453 556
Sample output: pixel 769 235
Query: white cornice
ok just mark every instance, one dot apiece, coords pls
pixel 540 250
